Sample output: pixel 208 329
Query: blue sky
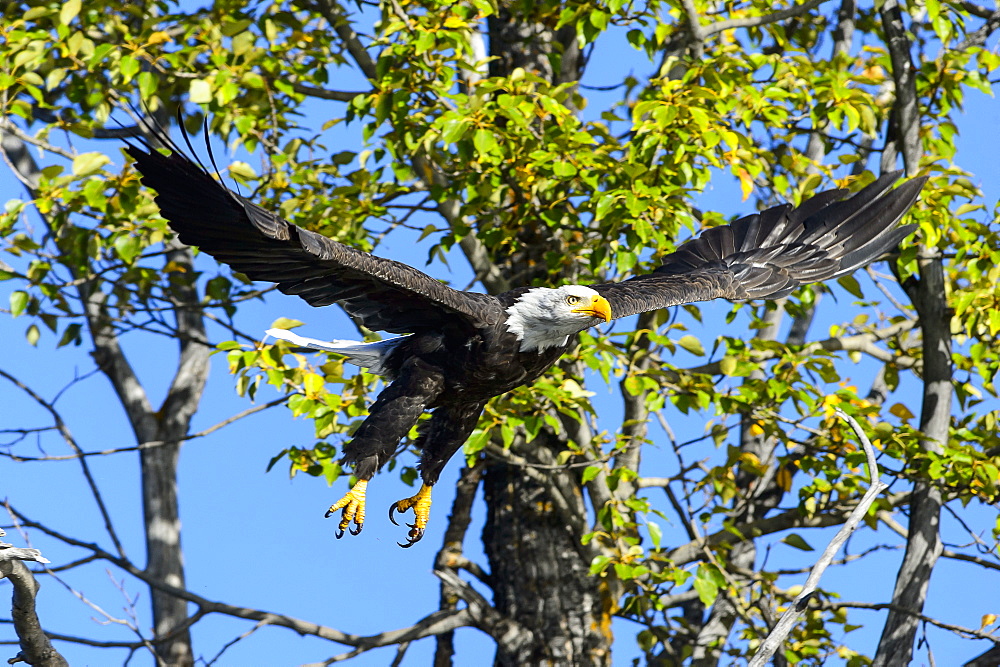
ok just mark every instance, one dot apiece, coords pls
pixel 260 540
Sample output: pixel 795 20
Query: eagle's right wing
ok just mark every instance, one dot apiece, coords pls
pixel 383 294
pixel 768 254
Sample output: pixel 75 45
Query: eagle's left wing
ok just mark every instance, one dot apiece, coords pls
pixel 768 254
pixel 383 294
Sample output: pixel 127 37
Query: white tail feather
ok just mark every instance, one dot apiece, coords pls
pixel 367 355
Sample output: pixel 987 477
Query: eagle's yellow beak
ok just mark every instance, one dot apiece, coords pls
pixel 598 307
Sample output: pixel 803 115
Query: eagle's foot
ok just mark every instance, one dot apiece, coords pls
pixel 421 504
pixel 353 505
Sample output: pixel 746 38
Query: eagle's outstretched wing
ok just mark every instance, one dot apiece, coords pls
pixel 383 294
pixel 768 254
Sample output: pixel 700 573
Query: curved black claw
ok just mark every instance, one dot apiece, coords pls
pixel 356 532
pixel 394 508
pixel 340 531
pixel 328 513
pixel 413 537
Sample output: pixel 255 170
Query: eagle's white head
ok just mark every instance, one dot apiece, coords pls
pixel 546 317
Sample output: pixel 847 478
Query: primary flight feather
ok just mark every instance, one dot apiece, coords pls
pixel 464 348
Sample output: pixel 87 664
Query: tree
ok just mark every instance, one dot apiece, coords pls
pixel 469 123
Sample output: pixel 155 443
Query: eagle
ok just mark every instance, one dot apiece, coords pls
pixel 455 350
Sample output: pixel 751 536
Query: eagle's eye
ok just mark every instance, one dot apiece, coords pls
pixel 573 300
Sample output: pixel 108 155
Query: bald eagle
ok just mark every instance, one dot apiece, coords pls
pixel 457 350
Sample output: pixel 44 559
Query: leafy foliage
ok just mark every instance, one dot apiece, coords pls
pixel 551 189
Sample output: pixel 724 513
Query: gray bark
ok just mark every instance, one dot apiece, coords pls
pixel 36 649
pixel 158 465
pixel 923 545
pixel 540 577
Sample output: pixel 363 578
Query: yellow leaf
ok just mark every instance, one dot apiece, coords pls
pixel 988 619
pixel 746 183
pixel 158 37
pixel 727 365
pixel 313 385
pixel 286 323
pixel 901 411
pixel 755 429
pixel 783 478
pixel 455 22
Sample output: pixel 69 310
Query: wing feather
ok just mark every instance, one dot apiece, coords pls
pixel 768 254
pixel 383 294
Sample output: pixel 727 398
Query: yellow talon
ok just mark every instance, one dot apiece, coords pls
pixel 353 505
pixel 421 504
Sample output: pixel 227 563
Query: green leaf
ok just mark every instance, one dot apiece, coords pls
pixel 603 206
pixel 86 164
pixel 692 345
pixel 242 170
pixel 231 28
pixel 727 365
pixel 706 588
pixel 18 302
pixel 277 457
pixel 850 283
pixel 797 541
pixel 70 10
pixel 655 533
pixel 453 129
pixel 599 564
pixel 127 247
pixel 286 323
pixel 33 334
pixel 36 13
pixel 200 92
pixel 485 142
pixel 589 473
pixel 476 442
pixel 71 335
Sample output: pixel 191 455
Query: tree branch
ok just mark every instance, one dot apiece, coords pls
pixel 337 18
pixel 778 634
pixel 757 21
pixel 77 452
pixel 430 625
pixel 327 94
pixel 36 649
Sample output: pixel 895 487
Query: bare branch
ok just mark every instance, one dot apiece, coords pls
pixel 979 37
pixel 757 21
pixel 430 625
pixel 878 606
pixel 777 636
pixel 36 649
pixel 484 615
pixel 151 443
pixel 337 18
pixel 327 94
pixel 78 453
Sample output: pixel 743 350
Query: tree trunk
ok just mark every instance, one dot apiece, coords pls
pixel 923 543
pixel 539 568
pixel 540 576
